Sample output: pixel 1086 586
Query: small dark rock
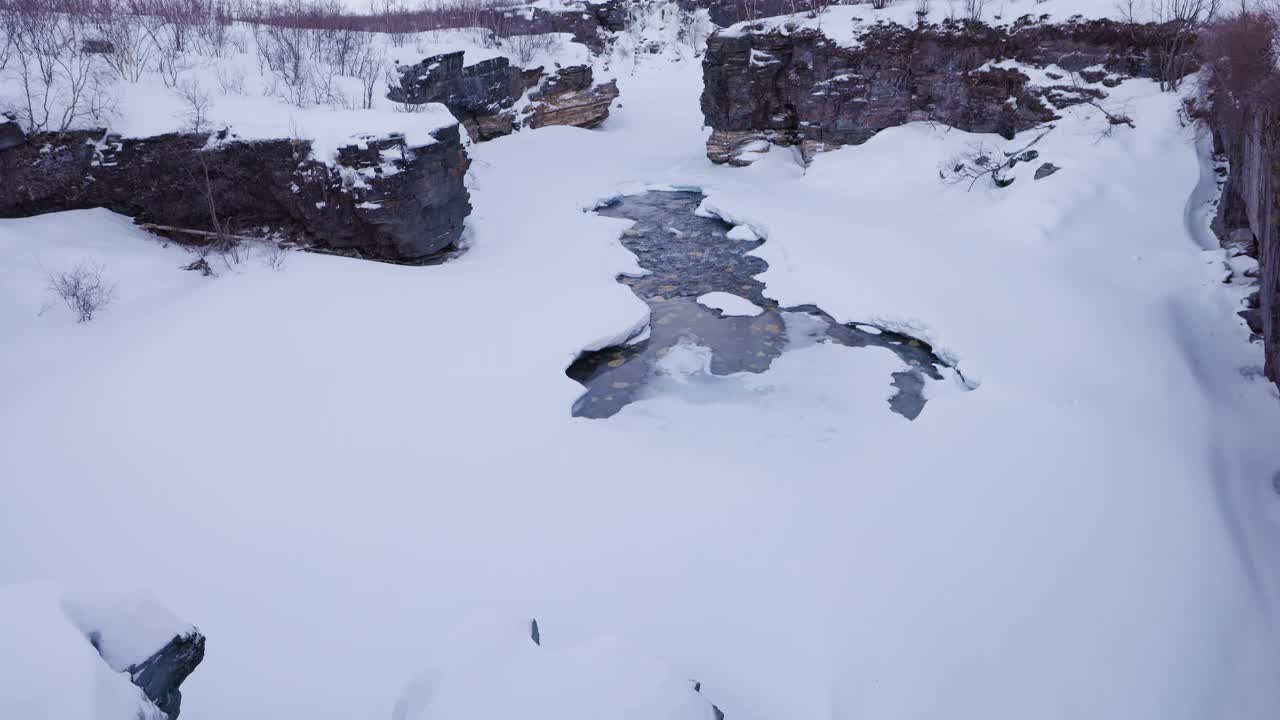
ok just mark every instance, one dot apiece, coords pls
pixel 11 134
pixel 1053 75
pixel 1045 170
pixel 94 46
pixel 534 633
pixel 1027 156
pixel 1093 76
pixel 1253 318
pixel 1112 81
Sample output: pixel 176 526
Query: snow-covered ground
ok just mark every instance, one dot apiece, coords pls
pixel 331 467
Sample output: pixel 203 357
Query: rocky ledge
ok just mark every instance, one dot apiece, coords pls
pixel 161 675
pixel 801 88
pixel 381 198
pixel 485 97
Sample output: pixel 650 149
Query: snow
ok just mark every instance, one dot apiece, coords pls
pixel 129 627
pixel 330 467
pixel 49 670
pixel 488 666
pixel 729 304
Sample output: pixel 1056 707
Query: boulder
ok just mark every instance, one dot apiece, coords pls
pixel 569 97
pixel 482 96
pixel 1045 170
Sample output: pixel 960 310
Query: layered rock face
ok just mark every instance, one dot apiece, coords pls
pixel 483 96
pixel 1248 219
pixel 801 88
pixel 571 97
pixel 383 199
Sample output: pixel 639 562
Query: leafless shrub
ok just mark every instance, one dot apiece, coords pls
pixel 524 48
pixel 1239 53
pixel 923 8
pixel 222 243
pixel 83 290
pixel 392 17
pixel 1240 74
pixel 230 81
pixel 195 105
pixel 973 9
pixel 58 84
pixel 369 69
pixel 274 254
pixel 880 4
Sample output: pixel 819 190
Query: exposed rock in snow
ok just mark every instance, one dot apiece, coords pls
pixel 488 667
pixel 821 93
pixel 380 197
pixel 69 656
pixel 483 96
pixel 570 98
pixel 160 676
pixel 1045 170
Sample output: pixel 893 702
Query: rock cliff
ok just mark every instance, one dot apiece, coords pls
pixel 380 199
pixel 802 88
pixel 484 96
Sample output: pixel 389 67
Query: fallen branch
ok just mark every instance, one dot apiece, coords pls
pixel 201 233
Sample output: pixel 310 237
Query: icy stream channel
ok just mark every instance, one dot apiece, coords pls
pixel 688 257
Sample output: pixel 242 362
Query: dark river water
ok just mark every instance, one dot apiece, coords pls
pixel 688 256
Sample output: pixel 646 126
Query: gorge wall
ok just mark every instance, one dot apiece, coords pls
pixel 1247 215
pixel 383 199
pixel 801 88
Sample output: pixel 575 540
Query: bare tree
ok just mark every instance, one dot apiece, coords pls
pixel 369 69
pixel 1182 21
pixel 59 85
pixel 525 48
pixel 83 290
pixel 196 104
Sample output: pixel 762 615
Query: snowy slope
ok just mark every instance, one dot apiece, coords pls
pixel 331 466
pixel 48 669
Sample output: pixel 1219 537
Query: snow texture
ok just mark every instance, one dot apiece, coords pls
pixel 48 669
pixel 330 466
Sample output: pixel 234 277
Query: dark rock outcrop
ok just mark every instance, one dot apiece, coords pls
pixel 478 95
pixel 589 23
pixel 571 98
pixel 11 134
pixel 384 199
pixel 161 675
pixel 801 88
pixel 1248 220
pixel 483 96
